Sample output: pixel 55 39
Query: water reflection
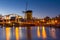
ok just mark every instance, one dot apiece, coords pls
pixel 17 33
pixel 38 32
pixel 44 33
pixel 22 33
pixel 3 32
pixel 8 34
pixel 29 33
pixel 52 32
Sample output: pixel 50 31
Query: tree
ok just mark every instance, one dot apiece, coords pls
pixel 47 18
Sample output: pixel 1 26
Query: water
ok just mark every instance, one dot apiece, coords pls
pixel 34 33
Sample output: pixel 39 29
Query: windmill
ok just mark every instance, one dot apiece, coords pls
pixel 28 13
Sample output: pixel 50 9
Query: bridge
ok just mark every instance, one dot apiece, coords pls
pixel 25 23
pixel 17 21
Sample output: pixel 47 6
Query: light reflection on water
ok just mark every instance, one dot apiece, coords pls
pixel 38 33
pixel 8 33
pixel 17 33
pixel 53 33
pixel 44 33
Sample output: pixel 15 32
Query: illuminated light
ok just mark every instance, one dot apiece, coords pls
pixel 47 23
pixel 20 28
pixel 43 20
pixel 38 32
pixel 38 21
pixel 20 17
pixel 9 22
pixel 44 32
pixel 17 33
pixel 8 33
pixel 55 21
pixel 7 17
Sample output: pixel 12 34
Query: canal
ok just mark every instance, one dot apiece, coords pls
pixel 35 33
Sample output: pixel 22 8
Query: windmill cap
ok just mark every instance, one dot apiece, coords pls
pixel 28 11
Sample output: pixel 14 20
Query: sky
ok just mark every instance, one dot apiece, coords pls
pixel 40 8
